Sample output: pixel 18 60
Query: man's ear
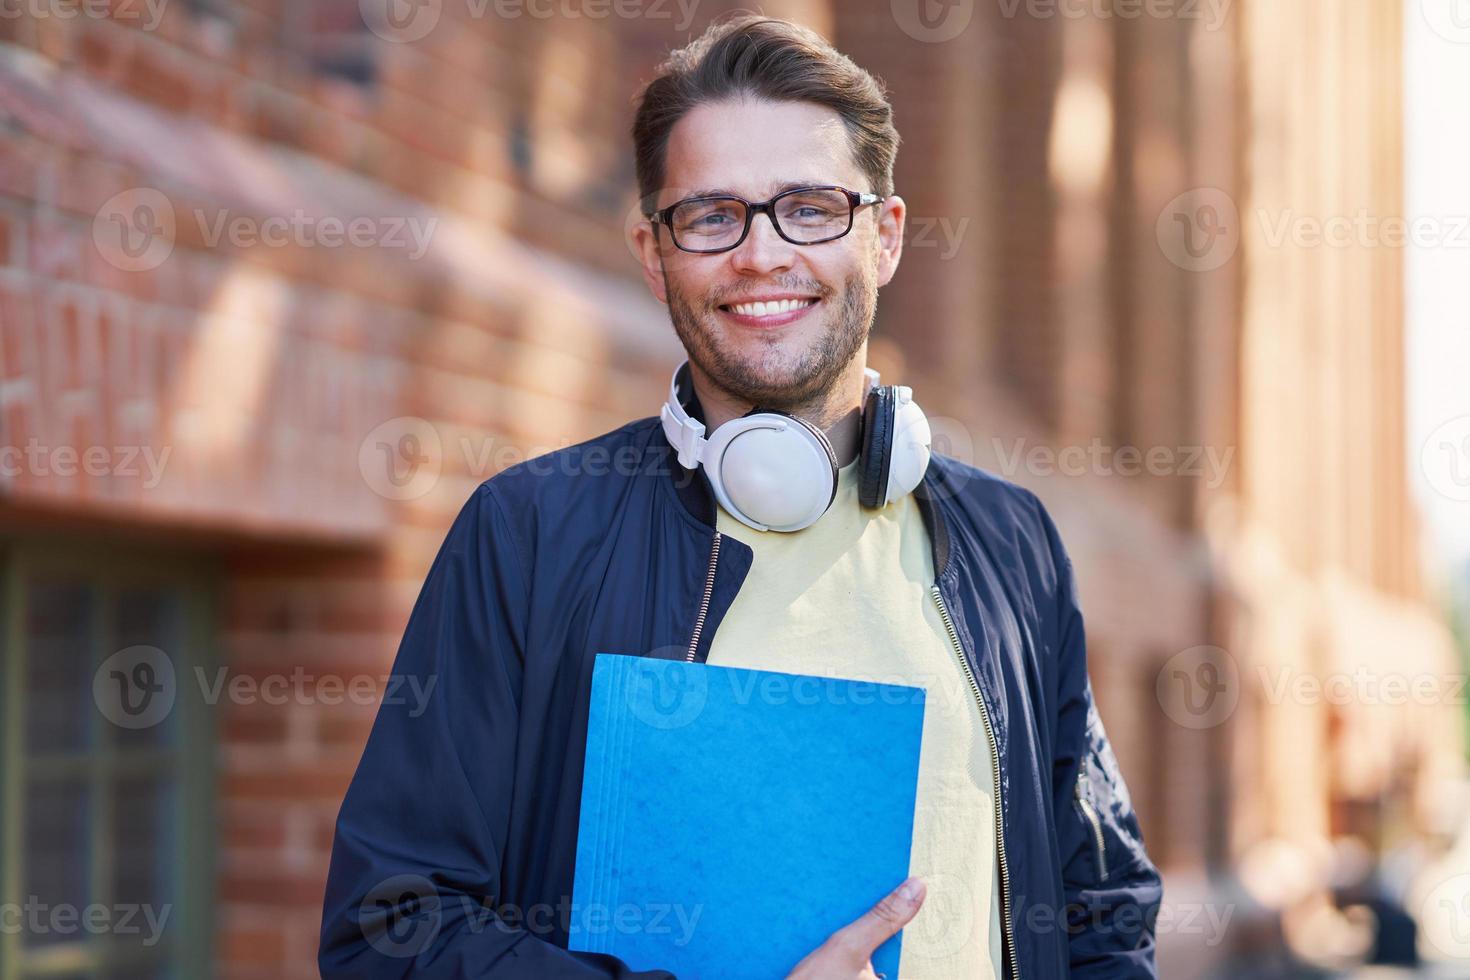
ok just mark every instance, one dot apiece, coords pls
pixel 643 240
pixel 892 214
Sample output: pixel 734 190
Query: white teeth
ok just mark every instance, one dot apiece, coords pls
pixel 773 308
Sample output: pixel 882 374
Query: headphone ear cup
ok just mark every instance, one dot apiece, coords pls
pixel 878 416
pixel 909 452
pixel 779 478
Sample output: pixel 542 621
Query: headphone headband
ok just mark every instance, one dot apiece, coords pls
pixel 686 433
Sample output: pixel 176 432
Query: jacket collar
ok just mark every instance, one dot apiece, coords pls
pixel 692 486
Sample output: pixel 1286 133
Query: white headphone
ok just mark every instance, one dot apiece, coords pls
pixel 776 472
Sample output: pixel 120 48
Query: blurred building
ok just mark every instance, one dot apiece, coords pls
pixel 237 430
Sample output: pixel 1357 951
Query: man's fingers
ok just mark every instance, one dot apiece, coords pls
pixel 884 919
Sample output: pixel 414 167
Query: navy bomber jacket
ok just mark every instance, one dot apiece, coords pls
pixel 455 844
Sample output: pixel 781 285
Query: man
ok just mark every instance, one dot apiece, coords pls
pixel 765 159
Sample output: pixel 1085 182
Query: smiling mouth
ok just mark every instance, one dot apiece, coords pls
pixel 773 308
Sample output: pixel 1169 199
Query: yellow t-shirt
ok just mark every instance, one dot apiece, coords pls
pixel 850 597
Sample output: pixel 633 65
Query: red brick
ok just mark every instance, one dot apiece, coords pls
pixel 321 783
pixel 259 948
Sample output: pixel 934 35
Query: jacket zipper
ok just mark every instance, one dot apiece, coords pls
pixel 1000 838
pixel 1090 812
pixel 709 588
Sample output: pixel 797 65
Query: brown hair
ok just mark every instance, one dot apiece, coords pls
pixel 750 55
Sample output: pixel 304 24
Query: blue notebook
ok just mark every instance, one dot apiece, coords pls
pixel 733 819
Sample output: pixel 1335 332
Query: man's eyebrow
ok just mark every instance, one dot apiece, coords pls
pixel 782 188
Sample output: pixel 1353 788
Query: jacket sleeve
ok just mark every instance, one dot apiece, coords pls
pixel 1113 890
pixel 414 883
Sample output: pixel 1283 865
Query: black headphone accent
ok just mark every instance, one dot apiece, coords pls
pixel 877 439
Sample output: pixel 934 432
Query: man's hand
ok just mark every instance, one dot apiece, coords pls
pixel 847 953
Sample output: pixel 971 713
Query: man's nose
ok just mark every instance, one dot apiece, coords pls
pixel 763 249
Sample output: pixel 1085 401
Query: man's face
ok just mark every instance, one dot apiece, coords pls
pixel 753 149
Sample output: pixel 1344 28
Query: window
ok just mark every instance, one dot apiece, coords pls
pixel 106 773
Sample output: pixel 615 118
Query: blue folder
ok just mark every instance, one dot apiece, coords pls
pixel 733 819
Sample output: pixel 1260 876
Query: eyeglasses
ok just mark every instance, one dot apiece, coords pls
pixel 802 216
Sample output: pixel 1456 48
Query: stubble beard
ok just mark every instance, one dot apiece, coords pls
pixel 809 379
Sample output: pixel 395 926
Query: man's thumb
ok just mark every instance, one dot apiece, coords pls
pixel 891 914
